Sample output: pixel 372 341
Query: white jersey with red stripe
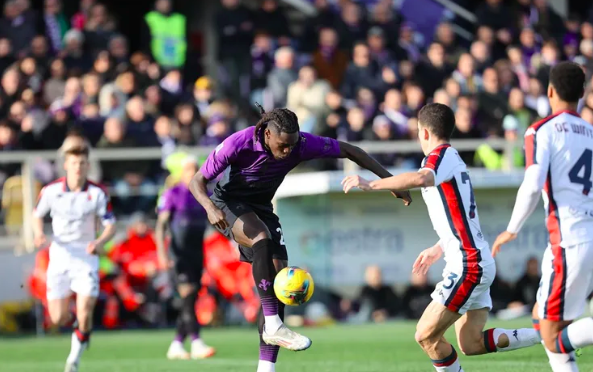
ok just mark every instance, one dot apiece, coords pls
pixel 453 210
pixel 75 218
pixel 562 145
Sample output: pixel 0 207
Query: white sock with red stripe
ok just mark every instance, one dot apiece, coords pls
pixel 562 362
pixel 518 339
pixel 577 335
pixel 448 364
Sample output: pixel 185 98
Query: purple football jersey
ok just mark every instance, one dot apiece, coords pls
pixel 252 172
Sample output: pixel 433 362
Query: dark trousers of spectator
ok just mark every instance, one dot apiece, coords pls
pixel 233 74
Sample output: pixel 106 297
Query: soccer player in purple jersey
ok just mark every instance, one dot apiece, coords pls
pixel 186 220
pixel 255 161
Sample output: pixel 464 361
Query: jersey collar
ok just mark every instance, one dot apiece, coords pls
pixel 65 187
pixel 440 147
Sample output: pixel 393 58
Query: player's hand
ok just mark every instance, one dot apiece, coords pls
pixel 40 241
pixel 504 238
pixel 351 182
pixel 405 195
pixel 426 258
pixel 95 247
pixel 217 218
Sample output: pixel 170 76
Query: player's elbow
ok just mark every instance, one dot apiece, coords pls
pixel 424 180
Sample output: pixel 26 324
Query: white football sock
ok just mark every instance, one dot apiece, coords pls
pixel 272 323
pixel 562 362
pixel 448 364
pixel 580 333
pixel 518 338
pixel 265 366
pixel 455 367
pixel 76 349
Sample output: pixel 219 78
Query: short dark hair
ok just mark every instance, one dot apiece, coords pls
pixel 568 79
pixel 439 119
pixel 281 119
pixel 77 151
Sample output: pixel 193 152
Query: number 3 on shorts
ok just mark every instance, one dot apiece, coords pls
pixel 279 231
pixel 451 278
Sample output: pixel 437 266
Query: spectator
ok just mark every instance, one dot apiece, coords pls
pixel 587 114
pixel 234 27
pixel 535 98
pixel 55 24
pixel 501 293
pixel 54 134
pixel 118 49
pixel 188 129
pixel 378 297
pixel 39 51
pixel 324 18
pixel 351 27
pixel 517 109
pixel 164 133
pixel 379 54
pixel 587 31
pixel 492 104
pixel 306 98
pixel 507 79
pixel 74 56
pixel 99 29
pixel 71 101
pixel 384 18
pixel 549 24
pixel 354 127
pixel 529 45
pixel 17 27
pixel 417 296
pixel 526 288
pixel 453 90
pixel 481 53
pixel 441 96
pixel 30 74
pixel 140 126
pixel 217 130
pixel 281 76
pixel 8 142
pixel 406 48
pixel 494 14
pixel 79 19
pixel 126 176
pixel 548 58
pixel 262 62
pixel 383 130
pixel 171 91
pixel 91 86
pixel 465 129
pixel 270 19
pixel 6 55
pixel 466 76
pixel 361 73
pixel 433 71
pixel 10 90
pixel 329 61
pixel 203 96
pixel 165 35
pixel 518 67
pixel 394 110
pixel 586 49
pixel 55 86
pixel 446 37
pixel 103 65
pixel 414 98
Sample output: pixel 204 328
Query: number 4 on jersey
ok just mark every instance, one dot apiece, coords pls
pixel 586 162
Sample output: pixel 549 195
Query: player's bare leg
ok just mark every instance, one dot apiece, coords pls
pixel 59 311
pixel 431 327
pixel 250 231
pixel 473 340
pixel 560 345
pixel 81 335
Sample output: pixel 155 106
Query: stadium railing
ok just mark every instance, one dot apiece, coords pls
pixel 24 241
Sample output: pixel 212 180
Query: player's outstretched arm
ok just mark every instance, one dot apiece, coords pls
pixel 404 181
pixel 364 160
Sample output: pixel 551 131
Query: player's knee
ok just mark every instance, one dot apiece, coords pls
pixel 550 343
pixel 426 338
pixel 59 318
pixel 261 236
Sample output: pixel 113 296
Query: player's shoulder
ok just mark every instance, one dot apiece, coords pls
pixel 545 125
pixel 97 188
pixel 54 186
pixel 239 140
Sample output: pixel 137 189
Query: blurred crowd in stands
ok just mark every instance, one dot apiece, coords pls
pixel 358 71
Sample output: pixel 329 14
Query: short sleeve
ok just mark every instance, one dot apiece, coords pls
pixel 316 147
pixel 440 164
pixel 220 158
pixel 43 204
pixel 538 144
pixel 166 202
pixel 104 209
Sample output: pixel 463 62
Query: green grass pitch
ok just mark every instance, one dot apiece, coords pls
pixel 366 348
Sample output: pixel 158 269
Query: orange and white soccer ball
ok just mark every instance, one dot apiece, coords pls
pixel 293 286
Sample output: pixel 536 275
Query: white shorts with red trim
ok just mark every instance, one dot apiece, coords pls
pixel 69 273
pixel 463 289
pixel 567 281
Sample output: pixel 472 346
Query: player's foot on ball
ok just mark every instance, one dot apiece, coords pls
pixel 71 367
pixel 199 350
pixel 287 339
pixel 177 351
